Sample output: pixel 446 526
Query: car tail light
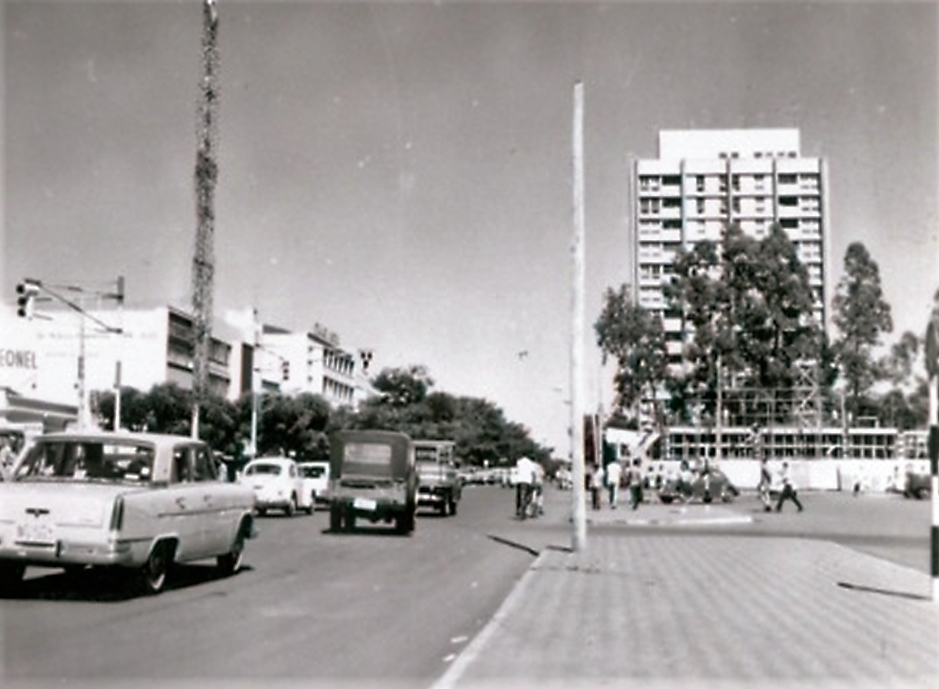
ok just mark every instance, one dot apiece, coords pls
pixel 117 515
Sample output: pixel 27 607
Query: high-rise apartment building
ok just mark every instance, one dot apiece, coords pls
pixel 704 179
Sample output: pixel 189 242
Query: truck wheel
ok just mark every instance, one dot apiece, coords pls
pixel 11 574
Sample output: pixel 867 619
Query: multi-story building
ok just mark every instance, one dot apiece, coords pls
pixel 308 362
pixel 705 179
pixel 61 357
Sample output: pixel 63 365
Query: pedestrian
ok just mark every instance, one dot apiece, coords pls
pixel 524 478
pixel 635 483
pixel 766 482
pixel 613 475
pixel 788 490
pixel 596 484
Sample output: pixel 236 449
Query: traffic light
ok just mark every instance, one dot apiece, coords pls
pixel 27 291
pixel 285 369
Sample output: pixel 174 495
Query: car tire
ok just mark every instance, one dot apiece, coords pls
pixel 666 499
pixel 452 505
pixel 335 519
pixel 155 571
pixel 291 508
pixel 11 576
pixel 349 521
pixel 229 563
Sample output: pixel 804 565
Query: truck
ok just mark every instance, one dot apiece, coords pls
pixel 440 485
pixel 372 476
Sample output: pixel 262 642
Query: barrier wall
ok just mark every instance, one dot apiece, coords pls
pixel 874 475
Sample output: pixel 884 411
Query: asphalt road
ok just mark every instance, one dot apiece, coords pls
pixel 365 609
pixel 310 606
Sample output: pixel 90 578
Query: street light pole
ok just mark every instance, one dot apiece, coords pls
pixel 578 469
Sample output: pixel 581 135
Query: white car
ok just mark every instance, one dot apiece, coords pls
pixel 315 477
pixel 277 485
pixel 139 501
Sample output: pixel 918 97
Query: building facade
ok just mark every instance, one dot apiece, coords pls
pixel 705 179
pixel 62 358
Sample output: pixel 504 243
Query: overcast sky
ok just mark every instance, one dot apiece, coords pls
pixel 401 172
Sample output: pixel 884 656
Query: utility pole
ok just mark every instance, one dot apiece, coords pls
pixel 206 176
pixel 578 469
pixel 932 368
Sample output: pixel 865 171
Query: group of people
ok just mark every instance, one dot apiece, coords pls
pixel 782 482
pixel 611 478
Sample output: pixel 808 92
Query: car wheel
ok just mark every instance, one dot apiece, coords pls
pixel 291 508
pixel 229 563
pixel 350 521
pixel 666 499
pixel 153 574
pixel 922 494
pixel 335 519
pixel 11 575
pixel 452 507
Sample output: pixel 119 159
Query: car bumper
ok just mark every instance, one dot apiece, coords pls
pixel 65 553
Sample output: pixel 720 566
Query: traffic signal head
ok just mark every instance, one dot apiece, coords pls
pixel 26 291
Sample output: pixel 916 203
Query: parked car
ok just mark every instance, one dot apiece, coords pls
pixel 917 485
pixel 373 477
pixel 277 485
pixel 315 477
pixel 709 484
pixel 136 501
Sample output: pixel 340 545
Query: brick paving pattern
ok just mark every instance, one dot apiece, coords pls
pixel 637 610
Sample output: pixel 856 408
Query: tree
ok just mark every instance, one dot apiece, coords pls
pixel 636 340
pixel 861 316
pixel 401 387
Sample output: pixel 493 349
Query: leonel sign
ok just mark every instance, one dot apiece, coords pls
pixel 18 358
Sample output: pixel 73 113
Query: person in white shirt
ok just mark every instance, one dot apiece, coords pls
pixel 524 479
pixel 613 475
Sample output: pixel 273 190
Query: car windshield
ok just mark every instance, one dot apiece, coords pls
pixel 269 469
pixel 74 460
pixel 312 472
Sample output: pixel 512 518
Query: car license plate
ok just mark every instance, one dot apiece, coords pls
pixel 364 504
pixel 38 531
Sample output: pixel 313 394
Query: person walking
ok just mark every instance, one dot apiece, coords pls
pixel 596 484
pixel 788 490
pixel 635 483
pixel 766 482
pixel 613 475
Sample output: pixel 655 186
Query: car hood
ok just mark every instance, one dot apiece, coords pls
pixel 85 504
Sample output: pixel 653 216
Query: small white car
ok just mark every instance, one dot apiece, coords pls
pixel 139 501
pixel 277 485
pixel 315 477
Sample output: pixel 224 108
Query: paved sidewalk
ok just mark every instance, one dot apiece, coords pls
pixel 699 610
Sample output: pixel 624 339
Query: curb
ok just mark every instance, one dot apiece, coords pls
pixel 454 673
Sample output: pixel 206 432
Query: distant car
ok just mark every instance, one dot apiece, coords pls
pixel 315 477
pixel 138 501
pixel 277 485
pixel 917 485
pixel 708 485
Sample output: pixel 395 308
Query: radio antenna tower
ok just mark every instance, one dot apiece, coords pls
pixel 206 175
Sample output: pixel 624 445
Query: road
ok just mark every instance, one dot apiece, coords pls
pixel 309 605
pixel 366 608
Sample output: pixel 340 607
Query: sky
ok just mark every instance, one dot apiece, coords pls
pixel 401 172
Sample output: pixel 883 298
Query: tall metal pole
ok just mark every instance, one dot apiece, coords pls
pixel 206 175
pixel 932 368
pixel 578 492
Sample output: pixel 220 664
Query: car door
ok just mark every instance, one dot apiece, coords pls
pixel 216 514
pixel 188 511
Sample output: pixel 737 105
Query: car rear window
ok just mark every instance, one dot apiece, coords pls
pixel 87 460
pixel 271 469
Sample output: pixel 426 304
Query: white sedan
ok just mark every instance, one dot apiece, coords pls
pixel 277 484
pixel 139 501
